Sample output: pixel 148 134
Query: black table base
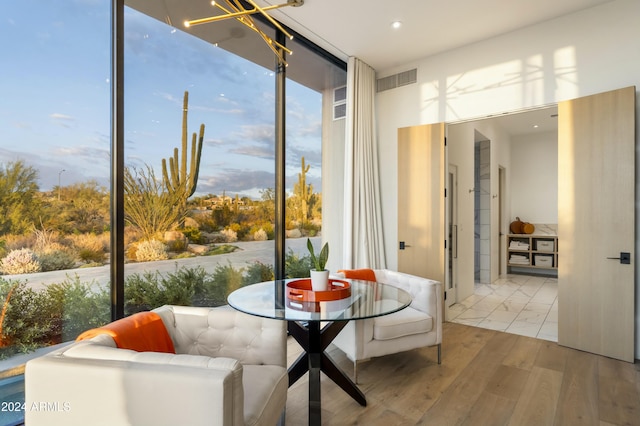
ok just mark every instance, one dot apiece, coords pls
pixel 314 341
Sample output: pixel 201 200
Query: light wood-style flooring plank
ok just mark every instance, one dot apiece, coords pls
pixel 524 352
pixel 578 402
pixel 539 399
pixel 619 391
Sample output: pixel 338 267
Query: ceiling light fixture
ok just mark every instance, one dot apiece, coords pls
pixel 396 24
pixel 237 10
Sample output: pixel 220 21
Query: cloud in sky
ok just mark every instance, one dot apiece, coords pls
pixel 245 182
pixel 62 119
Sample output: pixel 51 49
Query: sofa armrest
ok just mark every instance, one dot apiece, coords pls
pixel 149 388
pixel 225 332
pixel 426 293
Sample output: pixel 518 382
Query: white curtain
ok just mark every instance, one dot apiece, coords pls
pixel 363 237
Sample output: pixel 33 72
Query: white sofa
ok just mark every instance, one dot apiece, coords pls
pixel 416 326
pixel 229 369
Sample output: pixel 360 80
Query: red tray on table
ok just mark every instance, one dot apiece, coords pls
pixel 300 290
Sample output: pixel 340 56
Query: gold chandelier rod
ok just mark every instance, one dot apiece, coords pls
pixel 248 21
pixel 242 15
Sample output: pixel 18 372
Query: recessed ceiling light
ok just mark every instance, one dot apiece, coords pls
pixel 396 24
pixel 535 126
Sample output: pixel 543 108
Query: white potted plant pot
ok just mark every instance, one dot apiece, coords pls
pixel 319 280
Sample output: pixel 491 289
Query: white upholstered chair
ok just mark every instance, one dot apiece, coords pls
pixel 418 325
pixel 228 368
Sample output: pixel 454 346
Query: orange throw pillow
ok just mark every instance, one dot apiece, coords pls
pixel 359 274
pixel 142 332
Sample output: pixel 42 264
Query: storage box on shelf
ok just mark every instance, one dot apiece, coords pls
pixel 539 251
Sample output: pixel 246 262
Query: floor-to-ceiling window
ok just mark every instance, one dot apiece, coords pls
pixel 54 180
pixel 187 240
pixel 199 153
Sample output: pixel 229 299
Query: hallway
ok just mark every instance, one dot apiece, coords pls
pixel 519 304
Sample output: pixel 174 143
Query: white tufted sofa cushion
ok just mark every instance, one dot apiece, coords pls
pixel 224 332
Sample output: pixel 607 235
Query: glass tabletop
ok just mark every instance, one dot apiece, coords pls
pixel 367 299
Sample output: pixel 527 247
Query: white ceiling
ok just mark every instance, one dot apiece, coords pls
pixel 362 28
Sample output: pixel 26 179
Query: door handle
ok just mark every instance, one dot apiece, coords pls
pixel 455 241
pixel 403 245
pixel 625 258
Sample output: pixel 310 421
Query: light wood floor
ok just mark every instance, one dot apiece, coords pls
pixel 486 378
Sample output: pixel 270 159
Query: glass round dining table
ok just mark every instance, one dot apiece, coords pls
pixel 276 300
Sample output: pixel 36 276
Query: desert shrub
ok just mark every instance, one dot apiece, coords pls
pixel 79 306
pixel 176 245
pixel 179 288
pixel 266 227
pixel 205 222
pixel 90 248
pixel 185 286
pixel 47 241
pixel 40 318
pixel 56 261
pixel 242 230
pixel 21 261
pixel 15 242
pixel 193 234
pixel 130 251
pixel 260 235
pixel 258 272
pixel 148 206
pixel 151 250
pixel 29 321
pixel 89 255
pixel 183 255
pixel 226 279
pixel 230 235
pixel 310 229
pixel 296 266
pixel 141 292
pixel 217 238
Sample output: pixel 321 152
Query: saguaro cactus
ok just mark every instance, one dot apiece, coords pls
pixel 176 179
pixel 303 191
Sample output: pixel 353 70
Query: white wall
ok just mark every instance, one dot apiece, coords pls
pixel 534 178
pixel 576 55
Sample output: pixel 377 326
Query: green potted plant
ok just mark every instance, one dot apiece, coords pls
pixel 319 275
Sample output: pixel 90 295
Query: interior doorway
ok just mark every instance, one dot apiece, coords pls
pixel 498 132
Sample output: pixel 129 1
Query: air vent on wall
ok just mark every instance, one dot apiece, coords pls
pixel 397 80
pixel 340 103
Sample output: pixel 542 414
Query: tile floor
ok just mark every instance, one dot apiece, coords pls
pixel 518 304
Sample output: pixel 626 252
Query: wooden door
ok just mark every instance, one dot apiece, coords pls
pixel 596 184
pixel 421 203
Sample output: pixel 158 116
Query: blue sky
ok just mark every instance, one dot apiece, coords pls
pixel 55 100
